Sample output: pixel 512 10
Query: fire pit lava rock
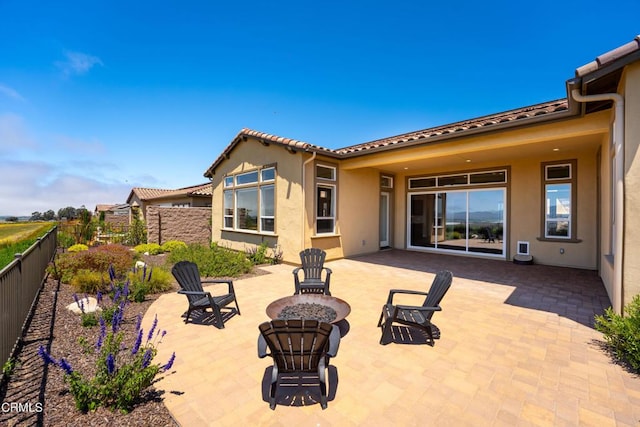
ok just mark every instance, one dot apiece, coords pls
pixel 341 308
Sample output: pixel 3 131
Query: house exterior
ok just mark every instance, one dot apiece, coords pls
pixel 193 196
pixel 112 214
pixel 556 181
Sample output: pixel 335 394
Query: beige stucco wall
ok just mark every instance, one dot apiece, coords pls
pixel 631 269
pixel 606 212
pixel 249 155
pixel 525 198
pixel 359 205
pixel 527 206
pixel 357 222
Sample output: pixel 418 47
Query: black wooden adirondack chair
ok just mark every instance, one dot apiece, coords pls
pixel 414 316
pixel 312 267
pixel 188 277
pixel 299 348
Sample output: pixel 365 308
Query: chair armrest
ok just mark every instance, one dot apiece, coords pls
pixel 392 292
pixel 334 341
pixel 204 294
pixel 221 281
pixel 418 308
pixel 262 347
pixel 327 281
pixel 296 278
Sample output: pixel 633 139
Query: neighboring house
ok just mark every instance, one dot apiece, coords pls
pixel 554 180
pixel 112 214
pixel 193 196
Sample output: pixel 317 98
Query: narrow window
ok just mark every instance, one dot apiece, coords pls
pixel 325 215
pixel 228 209
pixel 558 211
pixel 267 208
pixel 325 199
pixel 559 181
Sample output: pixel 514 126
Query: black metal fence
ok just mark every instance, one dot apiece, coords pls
pixel 20 282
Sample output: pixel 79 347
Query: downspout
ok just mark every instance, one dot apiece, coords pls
pixel 618 141
pixel 304 201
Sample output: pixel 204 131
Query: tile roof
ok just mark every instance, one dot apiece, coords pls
pixel 158 193
pixel 104 207
pixel 149 193
pixel 545 111
pixel 610 57
pixel 266 138
pixel 193 190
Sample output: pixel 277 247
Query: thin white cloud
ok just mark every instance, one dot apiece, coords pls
pixel 77 146
pixel 43 186
pixel 77 63
pixel 13 133
pixel 11 93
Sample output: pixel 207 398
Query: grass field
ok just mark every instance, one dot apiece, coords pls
pixel 14 232
pixel 16 238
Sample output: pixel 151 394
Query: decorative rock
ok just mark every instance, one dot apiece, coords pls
pixel 140 264
pixel 90 305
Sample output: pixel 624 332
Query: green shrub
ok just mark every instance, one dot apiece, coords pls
pixel 79 247
pixel 89 281
pixel 98 259
pixel 173 244
pixel 120 373
pixel 151 248
pixel 65 240
pixel 137 232
pixel 622 333
pixel 214 261
pixel 258 254
pixel 89 320
pixel 143 281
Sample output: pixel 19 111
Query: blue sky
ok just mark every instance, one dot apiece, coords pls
pixel 102 96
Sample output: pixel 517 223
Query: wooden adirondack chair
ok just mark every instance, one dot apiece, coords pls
pixel 188 277
pixel 414 316
pixel 312 268
pixel 298 347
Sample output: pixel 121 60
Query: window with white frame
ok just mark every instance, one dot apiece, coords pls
pixel 249 201
pixel 559 203
pixel 325 199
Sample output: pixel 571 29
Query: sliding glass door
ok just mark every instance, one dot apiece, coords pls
pixel 463 221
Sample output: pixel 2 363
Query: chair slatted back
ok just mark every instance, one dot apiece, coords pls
pixel 188 277
pixel 439 287
pixel 312 260
pixel 296 345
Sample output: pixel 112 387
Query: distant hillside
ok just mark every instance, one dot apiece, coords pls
pixel 3 218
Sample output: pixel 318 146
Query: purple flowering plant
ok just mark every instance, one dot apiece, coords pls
pixel 122 372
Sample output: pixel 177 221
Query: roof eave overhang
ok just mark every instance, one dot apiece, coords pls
pixel 602 74
pixel 244 136
pixel 573 110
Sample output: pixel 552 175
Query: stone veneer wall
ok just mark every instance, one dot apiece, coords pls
pixel 113 219
pixel 190 225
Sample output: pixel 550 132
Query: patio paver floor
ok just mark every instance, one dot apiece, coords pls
pixel 517 348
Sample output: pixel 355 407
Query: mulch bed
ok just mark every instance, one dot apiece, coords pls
pixel 41 390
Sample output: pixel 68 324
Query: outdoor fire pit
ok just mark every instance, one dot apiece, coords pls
pixel 315 306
